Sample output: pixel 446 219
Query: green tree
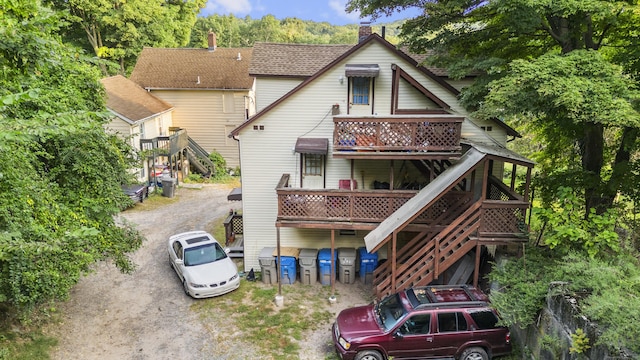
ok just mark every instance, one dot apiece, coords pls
pixel 578 103
pixel 117 30
pixel 59 170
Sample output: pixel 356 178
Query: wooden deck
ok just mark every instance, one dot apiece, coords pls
pixel 236 247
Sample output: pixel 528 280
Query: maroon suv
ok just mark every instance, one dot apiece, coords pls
pixel 423 323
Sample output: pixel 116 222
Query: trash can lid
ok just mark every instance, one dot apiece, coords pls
pixel 267 252
pixel 346 252
pixel 308 253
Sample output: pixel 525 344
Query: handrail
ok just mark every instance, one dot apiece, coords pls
pixel 397 133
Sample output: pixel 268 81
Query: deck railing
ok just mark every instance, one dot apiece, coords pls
pixel 397 134
pixel 357 205
pixel 165 145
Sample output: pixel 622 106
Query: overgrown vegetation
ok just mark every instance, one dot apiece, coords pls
pixel 60 171
pixel 608 290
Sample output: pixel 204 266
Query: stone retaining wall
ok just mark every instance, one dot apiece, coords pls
pixel 550 337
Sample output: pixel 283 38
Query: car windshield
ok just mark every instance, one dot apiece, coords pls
pixel 203 254
pixel 390 311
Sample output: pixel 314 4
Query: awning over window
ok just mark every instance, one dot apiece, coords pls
pixel 235 194
pixel 361 70
pixel 312 146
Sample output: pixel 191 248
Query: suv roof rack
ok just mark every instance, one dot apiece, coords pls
pixel 445 296
pixel 457 304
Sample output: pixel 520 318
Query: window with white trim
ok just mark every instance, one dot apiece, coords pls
pixel 360 90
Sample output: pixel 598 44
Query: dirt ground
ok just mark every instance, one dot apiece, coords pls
pixel 146 315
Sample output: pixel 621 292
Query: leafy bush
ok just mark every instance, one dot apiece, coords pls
pixel 219 162
pixel 610 290
pixel 569 229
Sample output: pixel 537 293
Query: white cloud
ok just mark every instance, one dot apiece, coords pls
pixel 339 7
pixel 236 7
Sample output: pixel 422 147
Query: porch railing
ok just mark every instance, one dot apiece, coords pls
pixel 357 205
pixel 397 134
pixel 165 145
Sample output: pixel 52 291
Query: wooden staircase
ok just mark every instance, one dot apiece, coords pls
pixel 429 254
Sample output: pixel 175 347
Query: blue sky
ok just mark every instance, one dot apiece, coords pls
pixel 331 11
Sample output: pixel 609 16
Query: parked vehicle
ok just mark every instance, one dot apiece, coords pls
pixel 202 264
pixel 432 322
pixel 137 192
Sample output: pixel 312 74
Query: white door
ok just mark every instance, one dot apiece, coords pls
pixel 312 171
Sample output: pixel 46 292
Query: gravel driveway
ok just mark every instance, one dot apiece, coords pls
pixel 146 315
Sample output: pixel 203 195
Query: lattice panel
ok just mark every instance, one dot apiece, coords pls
pixel 343 134
pixel 370 207
pixel 294 206
pixel 496 194
pixel 237 225
pixel 316 206
pixel 437 135
pixel 502 220
pixel 397 135
pixel 338 206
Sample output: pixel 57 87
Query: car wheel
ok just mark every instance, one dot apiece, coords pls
pixel 369 355
pixel 474 353
pixel 185 287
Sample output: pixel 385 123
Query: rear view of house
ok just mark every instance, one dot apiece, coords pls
pixel 210 89
pixel 138 115
pixel 374 151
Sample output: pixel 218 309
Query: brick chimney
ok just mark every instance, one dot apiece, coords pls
pixel 212 41
pixel 364 31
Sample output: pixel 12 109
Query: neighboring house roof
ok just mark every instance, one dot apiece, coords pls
pixel 222 68
pixel 131 102
pixel 293 60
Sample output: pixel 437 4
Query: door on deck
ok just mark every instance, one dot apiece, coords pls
pixel 312 171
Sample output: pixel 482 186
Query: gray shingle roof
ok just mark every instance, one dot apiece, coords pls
pixel 223 68
pixel 293 60
pixel 129 100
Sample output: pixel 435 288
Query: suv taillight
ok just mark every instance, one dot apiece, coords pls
pixel 507 338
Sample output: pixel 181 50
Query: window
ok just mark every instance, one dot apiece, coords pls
pixel 177 248
pixel 360 90
pixel 417 325
pixel 313 164
pixel 485 319
pixel 448 322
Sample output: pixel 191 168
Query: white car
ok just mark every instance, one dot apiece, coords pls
pixel 202 265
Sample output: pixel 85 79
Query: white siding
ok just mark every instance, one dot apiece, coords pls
pixel 410 98
pixel 269 90
pixel 120 127
pixel 202 114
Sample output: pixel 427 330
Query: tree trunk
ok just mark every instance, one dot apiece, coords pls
pixel 592 159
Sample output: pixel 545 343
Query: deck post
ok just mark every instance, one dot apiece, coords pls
pixel 393 261
pixel 278 262
pixel 333 262
pixel 476 271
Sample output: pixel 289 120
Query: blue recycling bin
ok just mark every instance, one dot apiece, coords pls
pixel 288 269
pixel 324 265
pixel 368 263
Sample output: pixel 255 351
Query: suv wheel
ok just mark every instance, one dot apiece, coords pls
pixel 474 353
pixel 369 355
